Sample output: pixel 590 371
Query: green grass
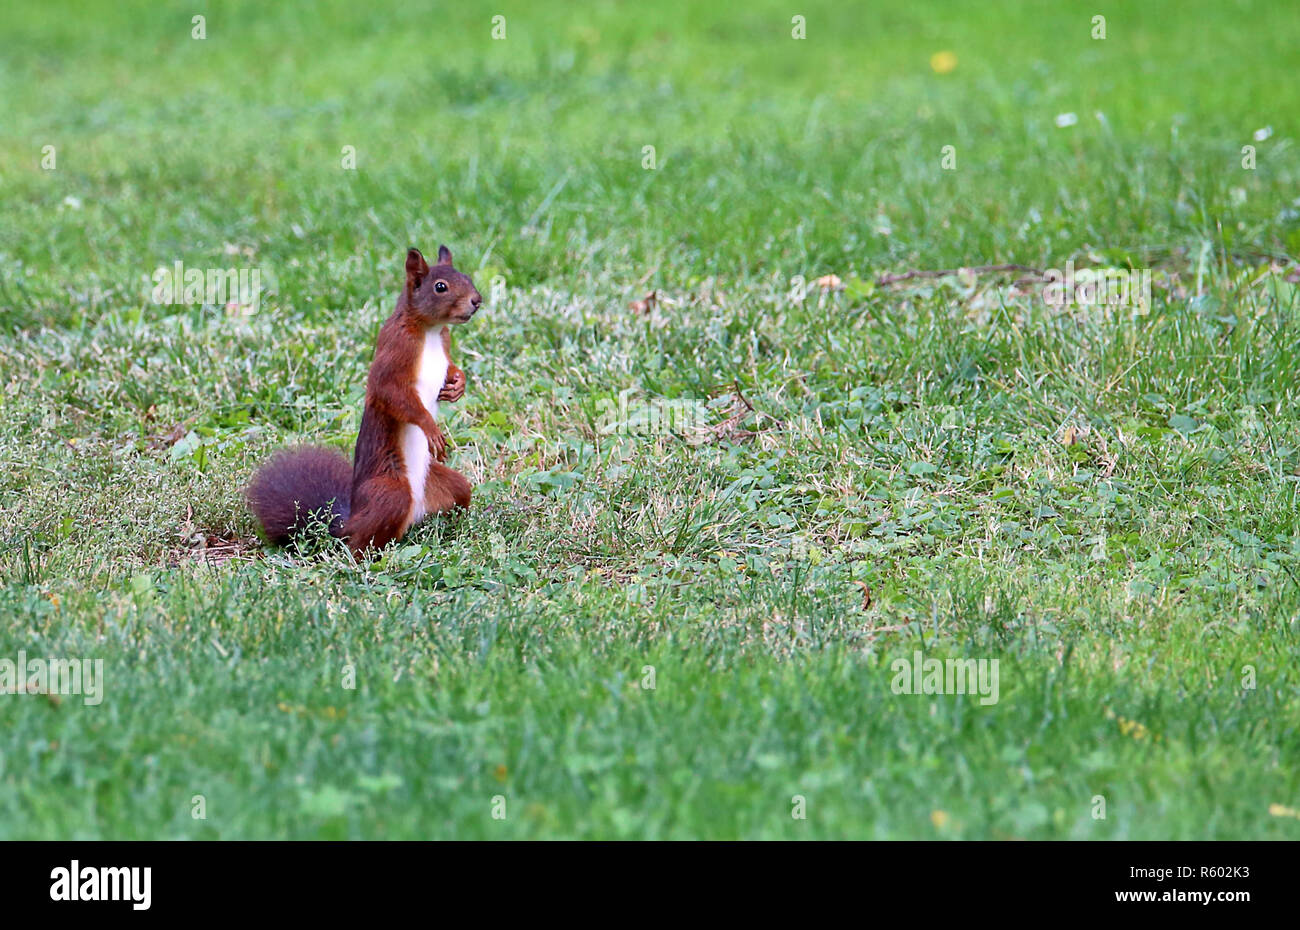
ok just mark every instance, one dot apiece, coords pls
pixel 906 438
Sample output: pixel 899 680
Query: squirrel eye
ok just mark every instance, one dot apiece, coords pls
pixel 440 286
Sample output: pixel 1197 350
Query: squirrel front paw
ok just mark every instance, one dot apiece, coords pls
pixel 437 445
pixel 454 387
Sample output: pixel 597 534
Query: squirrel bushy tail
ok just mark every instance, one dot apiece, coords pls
pixel 298 485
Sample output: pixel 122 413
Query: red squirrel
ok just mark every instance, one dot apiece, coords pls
pixel 397 477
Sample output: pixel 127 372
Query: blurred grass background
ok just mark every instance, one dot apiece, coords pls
pixel 773 153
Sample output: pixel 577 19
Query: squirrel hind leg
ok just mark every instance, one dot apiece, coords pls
pixel 384 516
pixel 446 489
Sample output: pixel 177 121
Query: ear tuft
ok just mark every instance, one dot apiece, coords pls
pixel 416 267
pixel 444 255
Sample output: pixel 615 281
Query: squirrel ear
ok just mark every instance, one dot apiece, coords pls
pixel 416 267
pixel 444 255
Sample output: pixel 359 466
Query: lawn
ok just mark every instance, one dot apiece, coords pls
pixel 731 467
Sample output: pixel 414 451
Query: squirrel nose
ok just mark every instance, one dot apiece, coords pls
pixel 476 300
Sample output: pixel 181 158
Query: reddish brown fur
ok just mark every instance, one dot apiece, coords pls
pixel 378 508
pixel 381 495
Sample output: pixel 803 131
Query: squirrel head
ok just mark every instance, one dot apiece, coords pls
pixel 440 294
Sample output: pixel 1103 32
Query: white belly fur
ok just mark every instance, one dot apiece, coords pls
pixel 430 378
